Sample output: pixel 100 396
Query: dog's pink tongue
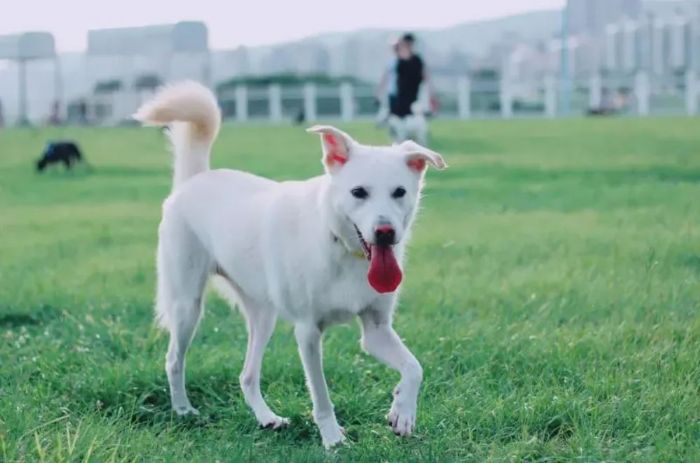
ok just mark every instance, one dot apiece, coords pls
pixel 384 272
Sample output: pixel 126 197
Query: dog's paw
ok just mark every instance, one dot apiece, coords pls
pixel 331 433
pixel 402 419
pixel 185 409
pixel 273 422
pixel 333 438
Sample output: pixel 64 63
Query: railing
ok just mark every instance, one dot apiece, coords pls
pixel 640 94
pixel 309 102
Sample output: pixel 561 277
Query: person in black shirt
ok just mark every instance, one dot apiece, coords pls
pixel 407 115
pixel 410 74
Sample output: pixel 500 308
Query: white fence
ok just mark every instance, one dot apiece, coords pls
pixel 640 94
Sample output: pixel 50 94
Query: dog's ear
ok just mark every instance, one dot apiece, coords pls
pixel 417 157
pixel 336 146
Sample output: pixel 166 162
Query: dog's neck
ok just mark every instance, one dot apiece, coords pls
pixel 358 254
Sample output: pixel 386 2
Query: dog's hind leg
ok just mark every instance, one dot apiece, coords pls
pixel 261 324
pixel 183 267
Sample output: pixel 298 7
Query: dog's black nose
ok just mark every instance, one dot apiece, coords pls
pixel 384 235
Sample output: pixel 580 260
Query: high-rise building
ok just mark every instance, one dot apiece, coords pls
pixel 589 17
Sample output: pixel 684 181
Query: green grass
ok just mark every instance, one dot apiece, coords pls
pixel 552 296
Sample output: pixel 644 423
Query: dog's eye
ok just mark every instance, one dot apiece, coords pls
pixel 400 192
pixel 359 193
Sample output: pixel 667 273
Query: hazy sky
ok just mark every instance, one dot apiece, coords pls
pixel 258 22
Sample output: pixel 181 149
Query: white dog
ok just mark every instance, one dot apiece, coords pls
pixel 314 252
pixel 412 127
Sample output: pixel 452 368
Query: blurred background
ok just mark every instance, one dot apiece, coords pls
pixel 270 62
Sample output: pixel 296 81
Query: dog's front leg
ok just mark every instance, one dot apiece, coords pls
pixel 309 342
pixel 381 341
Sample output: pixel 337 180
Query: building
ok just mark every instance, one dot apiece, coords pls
pixel 125 65
pixel 591 17
pixel 25 52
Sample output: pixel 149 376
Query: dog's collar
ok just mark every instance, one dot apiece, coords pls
pixel 356 254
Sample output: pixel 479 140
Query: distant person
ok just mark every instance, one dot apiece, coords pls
pixel 300 117
pixel 411 73
pixel 407 120
pixel 82 113
pixel 55 117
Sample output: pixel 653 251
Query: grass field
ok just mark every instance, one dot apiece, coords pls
pixel 552 295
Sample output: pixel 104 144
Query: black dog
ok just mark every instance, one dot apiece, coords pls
pixel 66 152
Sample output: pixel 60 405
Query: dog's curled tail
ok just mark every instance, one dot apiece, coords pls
pixel 192 114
